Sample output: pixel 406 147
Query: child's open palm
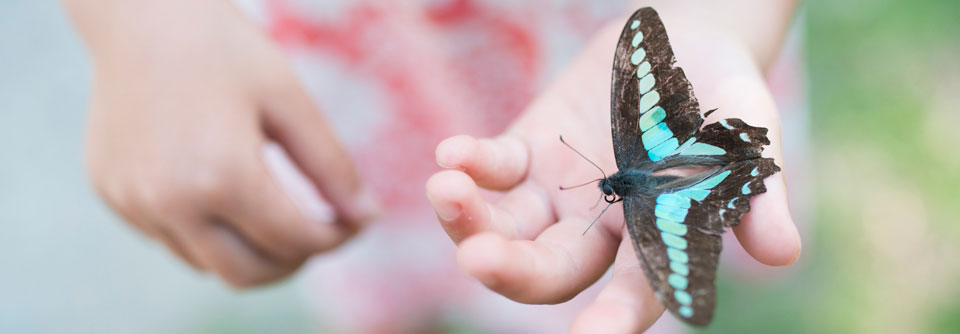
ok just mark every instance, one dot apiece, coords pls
pixel 529 245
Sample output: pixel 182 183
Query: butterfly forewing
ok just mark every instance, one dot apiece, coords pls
pixel 654 111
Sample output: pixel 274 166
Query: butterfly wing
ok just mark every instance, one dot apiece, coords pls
pixel 655 116
pixel 677 234
pixel 656 123
pixel 654 111
pixel 679 262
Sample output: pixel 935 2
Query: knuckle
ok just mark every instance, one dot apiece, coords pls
pixel 240 277
pixel 115 195
pixel 159 197
pixel 240 282
pixel 110 189
pixel 208 185
pixel 123 200
pixel 293 253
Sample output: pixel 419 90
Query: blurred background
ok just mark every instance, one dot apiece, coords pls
pixel 881 237
pixel 882 251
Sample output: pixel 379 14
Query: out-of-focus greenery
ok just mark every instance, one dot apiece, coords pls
pixel 883 254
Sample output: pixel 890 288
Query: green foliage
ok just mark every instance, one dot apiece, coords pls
pixel 883 79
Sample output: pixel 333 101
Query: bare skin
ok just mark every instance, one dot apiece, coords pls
pixel 186 95
pixel 529 245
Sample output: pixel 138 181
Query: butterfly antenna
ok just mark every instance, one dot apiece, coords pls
pixel 707 114
pixel 579 185
pixel 584 157
pixel 596 219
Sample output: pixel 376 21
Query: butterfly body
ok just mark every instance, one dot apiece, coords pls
pixel 633 182
pixel 675 222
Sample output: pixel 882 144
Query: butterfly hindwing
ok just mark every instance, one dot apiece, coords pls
pixel 739 140
pixel 654 111
pixel 730 199
pixel 677 233
pixel 679 261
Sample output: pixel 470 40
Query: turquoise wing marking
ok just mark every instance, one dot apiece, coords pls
pixel 664 149
pixel 637 39
pixel 703 149
pixel 674 241
pixel 683 297
pixel 680 268
pixel 678 281
pixel 643 69
pixel 638 56
pixel 671 211
pixel 674 200
pixel 696 194
pixel 648 100
pixel 646 83
pixel 674 228
pixel 651 118
pixel 656 135
pixel 677 255
pixel 712 181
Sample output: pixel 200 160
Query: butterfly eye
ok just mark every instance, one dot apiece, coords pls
pixel 607 190
pixel 610 198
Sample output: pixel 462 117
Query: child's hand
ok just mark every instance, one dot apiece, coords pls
pixel 529 245
pixel 181 111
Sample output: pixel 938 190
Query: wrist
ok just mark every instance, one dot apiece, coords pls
pixel 757 25
pixel 119 28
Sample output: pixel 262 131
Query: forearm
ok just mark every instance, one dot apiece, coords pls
pixel 140 28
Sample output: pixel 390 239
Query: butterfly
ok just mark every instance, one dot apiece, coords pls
pixel 676 222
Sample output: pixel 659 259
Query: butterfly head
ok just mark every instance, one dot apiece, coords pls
pixel 606 188
pixel 609 194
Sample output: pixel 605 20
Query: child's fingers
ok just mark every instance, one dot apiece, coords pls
pixel 529 207
pixel 459 207
pixel 266 216
pixel 218 248
pixel 626 304
pixel 175 245
pixel 500 163
pixel 293 121
pixel 555 267
pixel 151 228
pixel 768 232
pixel 521 213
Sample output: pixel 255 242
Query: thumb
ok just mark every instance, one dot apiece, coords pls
pixel 291 119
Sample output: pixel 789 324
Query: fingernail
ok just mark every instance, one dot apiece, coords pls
pixel 445 211
pixel 445 164
pixel 447 156
pixel 448 212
